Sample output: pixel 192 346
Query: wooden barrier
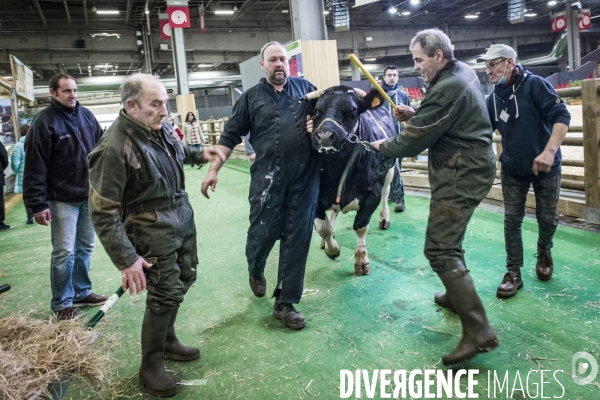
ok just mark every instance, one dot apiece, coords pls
pixel 590 96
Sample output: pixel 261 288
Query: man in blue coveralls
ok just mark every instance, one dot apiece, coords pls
pixel 284 178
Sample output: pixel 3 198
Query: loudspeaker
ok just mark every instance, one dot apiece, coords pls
pixel 80 44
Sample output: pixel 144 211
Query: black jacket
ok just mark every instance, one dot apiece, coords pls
pixel 4 164
pixel 56 148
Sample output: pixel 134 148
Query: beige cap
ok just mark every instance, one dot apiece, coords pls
pixel 497 51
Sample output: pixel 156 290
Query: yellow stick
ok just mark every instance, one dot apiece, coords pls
pixel 357 62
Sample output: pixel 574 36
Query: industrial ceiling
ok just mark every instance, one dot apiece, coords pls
pixel 53 36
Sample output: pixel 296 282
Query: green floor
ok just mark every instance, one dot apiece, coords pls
pixel 386 320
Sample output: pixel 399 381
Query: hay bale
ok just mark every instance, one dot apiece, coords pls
pixel 35 353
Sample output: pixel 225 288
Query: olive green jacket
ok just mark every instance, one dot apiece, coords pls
pixel 452 116
pixel 126 178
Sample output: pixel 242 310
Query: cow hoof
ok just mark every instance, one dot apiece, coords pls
pixel 384 225
pixel 333 255
pixel 362 269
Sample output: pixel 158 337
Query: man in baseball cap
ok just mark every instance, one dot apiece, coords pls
pixel 533 122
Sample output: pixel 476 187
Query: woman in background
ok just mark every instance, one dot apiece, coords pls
pixel 18 166
pixel 192 132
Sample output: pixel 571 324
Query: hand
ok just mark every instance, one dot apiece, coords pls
pixel 213 153
pixel 210 180
pixel 543 162
pixel 43 217
pixel 133 276
pixel 252 157
pixel 377 143
pixel 403 113
pixel 309 124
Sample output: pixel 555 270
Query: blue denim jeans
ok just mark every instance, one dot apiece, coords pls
pixel 515 192
pixel 72 245
pixel 397 186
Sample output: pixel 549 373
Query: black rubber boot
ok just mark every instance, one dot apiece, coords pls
pixel 174 350
pixel 152 372
pixel 477 336
pixel 442 300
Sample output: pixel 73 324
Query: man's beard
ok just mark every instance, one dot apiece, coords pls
pixel 274 79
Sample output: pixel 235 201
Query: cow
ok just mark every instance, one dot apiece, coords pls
pixel 353 176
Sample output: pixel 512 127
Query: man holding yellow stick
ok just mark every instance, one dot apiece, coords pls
pixel 453 123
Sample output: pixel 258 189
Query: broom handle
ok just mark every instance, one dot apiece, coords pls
pixel 366 73
pixel 109 303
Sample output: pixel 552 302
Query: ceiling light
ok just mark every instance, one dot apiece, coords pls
pixel 224 12
pixel 7 77
pixel 371 59
pixel 406 13
pixel 147 11
pixel 392 10
pixel 104 66
pixel 531 15
pixel 415 2
pixel 552 3
pixel 285 11
pixel 104 34
pixel 235 8
pixel 205 65
pixel 107 11
pixel 325 12
pixel 94 9
pixel 471 16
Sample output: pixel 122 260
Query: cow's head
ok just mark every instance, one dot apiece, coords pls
pixel 337 115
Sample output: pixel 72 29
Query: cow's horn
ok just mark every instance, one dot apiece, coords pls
pixel 359 92
pixel 313 95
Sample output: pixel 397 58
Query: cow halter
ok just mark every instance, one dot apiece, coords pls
pixel 348 134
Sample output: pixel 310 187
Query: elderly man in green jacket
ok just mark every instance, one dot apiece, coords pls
pixel 142 215
pixel 453 123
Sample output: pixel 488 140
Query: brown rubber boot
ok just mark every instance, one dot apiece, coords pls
pixel 152 374
pixel 174 350
pixel 544 266
pixel 477 336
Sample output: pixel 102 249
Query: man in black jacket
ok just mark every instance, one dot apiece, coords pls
pixel 3 164
pixel 55 187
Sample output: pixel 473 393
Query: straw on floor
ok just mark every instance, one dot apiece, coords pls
pixel 34 353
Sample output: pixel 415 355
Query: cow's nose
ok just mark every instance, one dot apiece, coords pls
pixel 325 138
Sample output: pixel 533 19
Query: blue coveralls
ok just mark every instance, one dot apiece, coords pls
pixel 284 179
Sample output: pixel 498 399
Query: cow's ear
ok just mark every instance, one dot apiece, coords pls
pixel 372 100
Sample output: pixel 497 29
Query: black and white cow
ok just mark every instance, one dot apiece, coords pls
pixel 344 117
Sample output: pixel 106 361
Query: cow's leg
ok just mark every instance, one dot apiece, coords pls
pixel 326 231
pixel 384 215
pixel 362 265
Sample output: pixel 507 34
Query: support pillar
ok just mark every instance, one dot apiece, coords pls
pixel 573 47
pixel 308 20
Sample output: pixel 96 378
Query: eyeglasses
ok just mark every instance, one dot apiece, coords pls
pixel 492 65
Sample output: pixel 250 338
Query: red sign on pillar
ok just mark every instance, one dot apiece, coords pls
pixel 202 22
pixel 559 22
pixel 165 29
pixel 179 17
pixel 585 20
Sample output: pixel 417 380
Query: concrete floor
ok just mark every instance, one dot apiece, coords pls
pixel 386 320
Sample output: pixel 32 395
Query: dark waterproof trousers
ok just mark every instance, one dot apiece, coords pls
pixel 514 191
pixel 283 202
pixel 165 236
pixel 459 180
